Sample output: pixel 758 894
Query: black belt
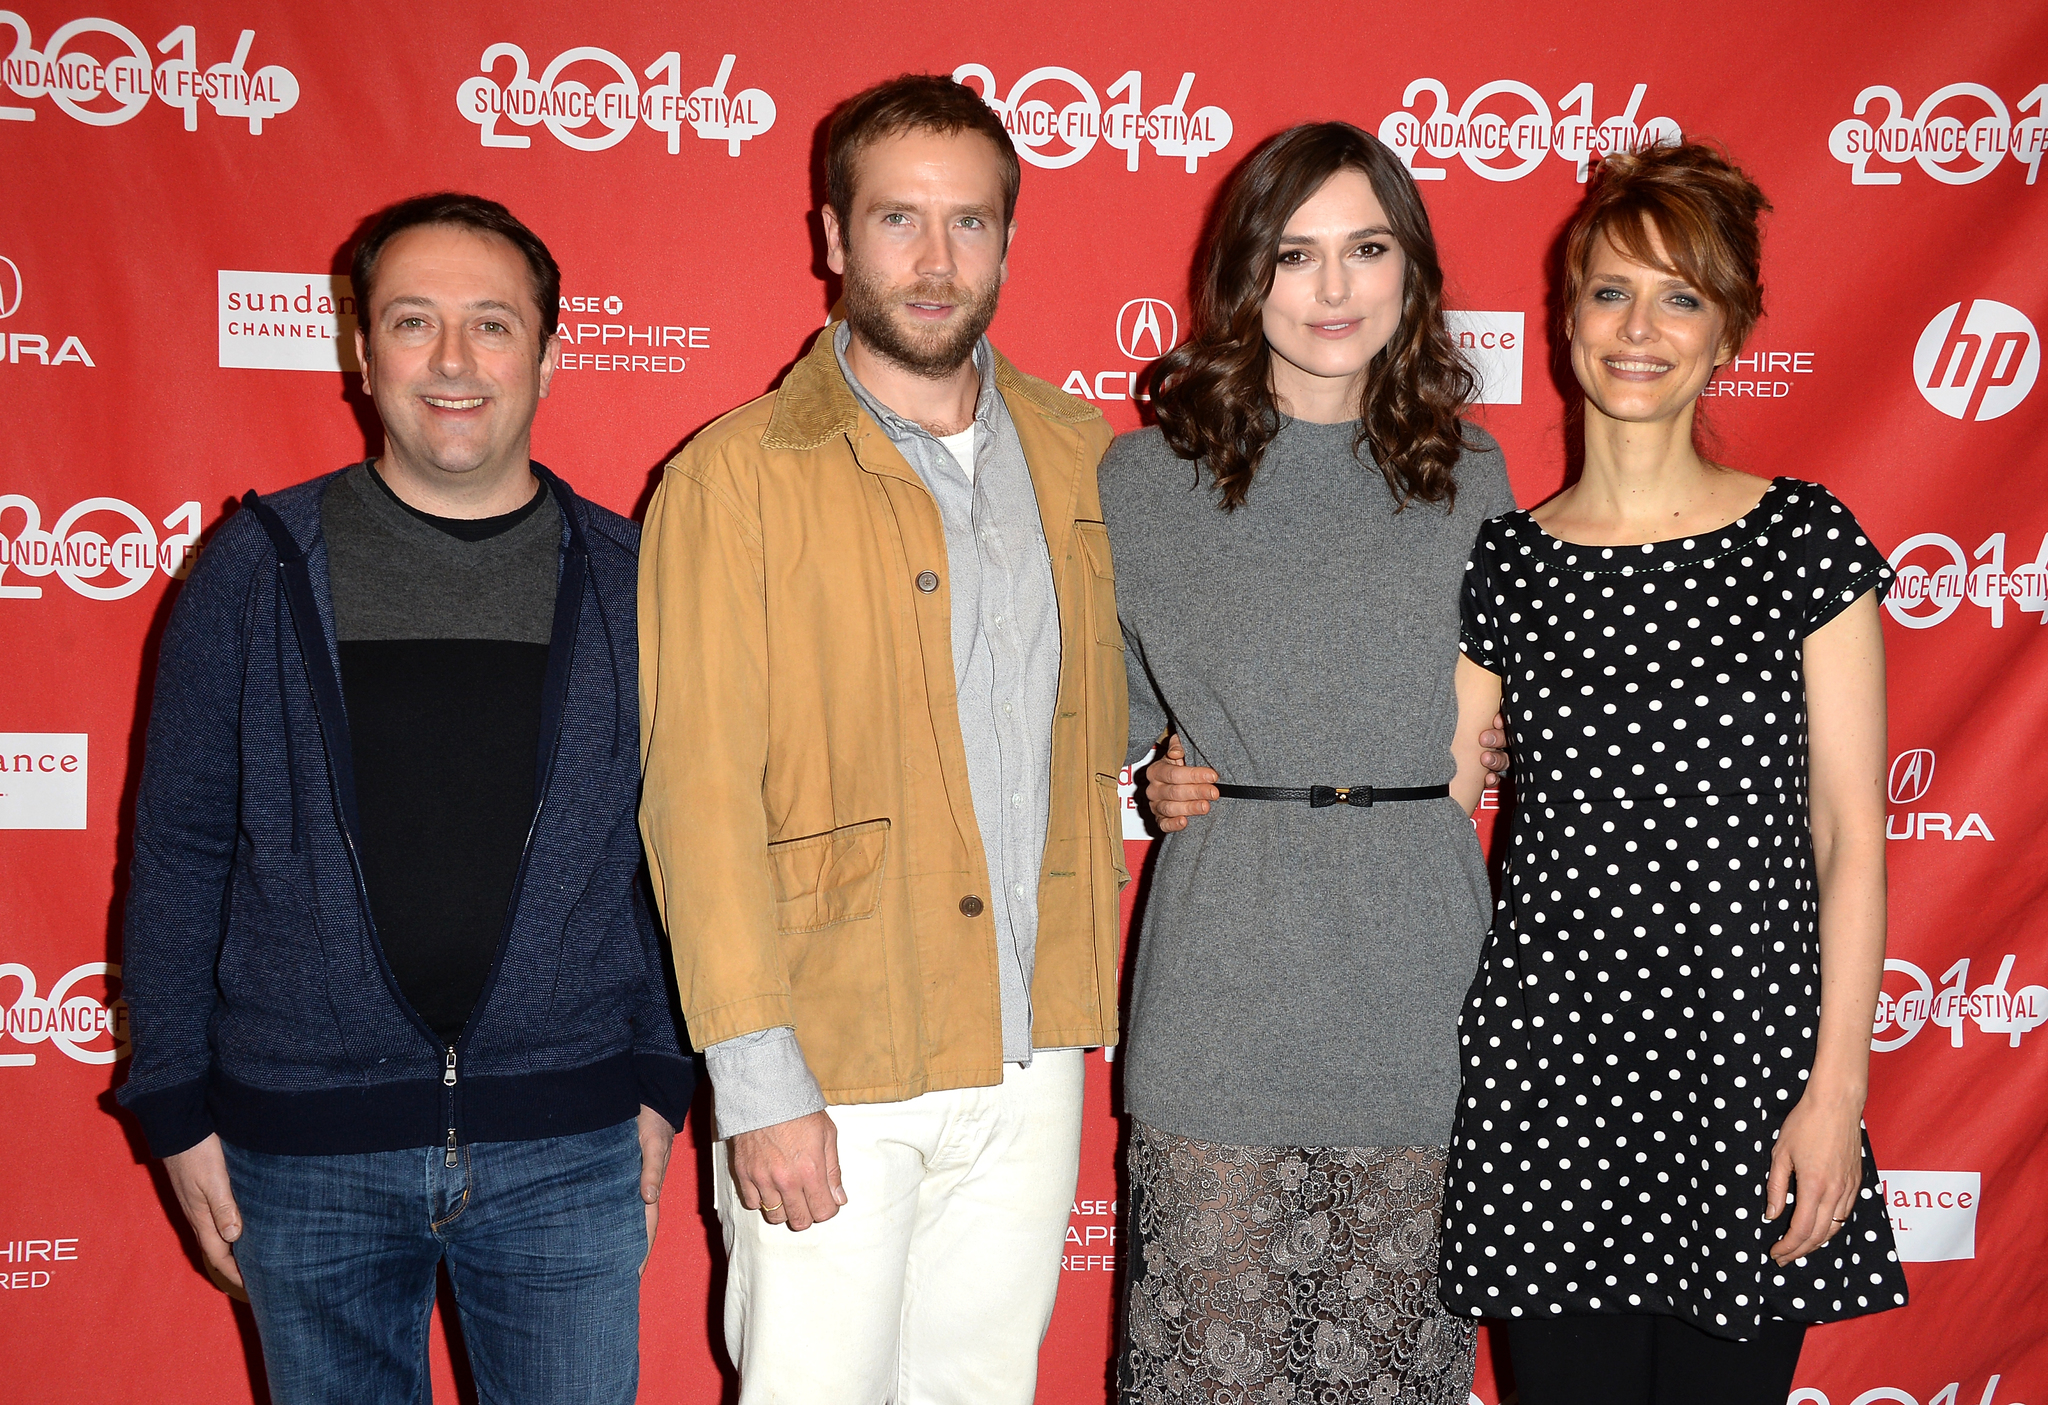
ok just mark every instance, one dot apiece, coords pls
pixel 1318 796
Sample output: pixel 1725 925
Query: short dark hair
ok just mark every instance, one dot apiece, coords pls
pixel 473 212
pixel 913 102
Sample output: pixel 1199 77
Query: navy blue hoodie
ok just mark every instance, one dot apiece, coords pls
pixel 260 1003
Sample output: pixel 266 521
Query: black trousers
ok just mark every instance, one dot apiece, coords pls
pixel 1648 1359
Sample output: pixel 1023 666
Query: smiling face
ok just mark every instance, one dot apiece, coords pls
pixel 452 353
pixel 1336 298
pixel 1644 342
pixel 923 248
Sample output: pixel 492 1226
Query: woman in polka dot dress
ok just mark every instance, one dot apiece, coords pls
pixel 1659 1174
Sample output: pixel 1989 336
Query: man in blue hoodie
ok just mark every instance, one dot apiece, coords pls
pixel 395 994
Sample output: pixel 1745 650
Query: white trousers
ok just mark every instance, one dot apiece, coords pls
pixel 935 1281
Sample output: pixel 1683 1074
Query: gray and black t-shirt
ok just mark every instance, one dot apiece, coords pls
pixel 443 625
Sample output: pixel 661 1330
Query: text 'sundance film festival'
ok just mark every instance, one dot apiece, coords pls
pixel 857 704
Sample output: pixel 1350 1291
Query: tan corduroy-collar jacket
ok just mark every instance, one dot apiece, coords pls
pixel 806 810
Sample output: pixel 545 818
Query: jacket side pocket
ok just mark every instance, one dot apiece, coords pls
pixel 1113 817
pixel 1101 586
pixel 829 878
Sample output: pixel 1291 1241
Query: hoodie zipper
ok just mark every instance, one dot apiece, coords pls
pixel 546 782
pixel 448 1082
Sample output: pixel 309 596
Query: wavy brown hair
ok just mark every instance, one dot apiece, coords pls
pixel 1213 393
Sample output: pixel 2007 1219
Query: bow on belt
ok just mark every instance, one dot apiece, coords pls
pixel 1322 795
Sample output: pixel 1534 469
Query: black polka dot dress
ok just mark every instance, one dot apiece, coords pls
pixel 1645 1010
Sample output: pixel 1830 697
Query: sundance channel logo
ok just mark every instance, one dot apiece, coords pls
pixel 286 321
pixel 99 72
pixel 42 780
pixel 1933 1213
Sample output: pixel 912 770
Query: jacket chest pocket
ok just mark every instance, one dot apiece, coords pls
pixel 829 878
pixel 1100 582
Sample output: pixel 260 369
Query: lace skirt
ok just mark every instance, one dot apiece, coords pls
pixel 1287 1276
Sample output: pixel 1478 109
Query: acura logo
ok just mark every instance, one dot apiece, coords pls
pixel 1912 773
pixel 1146 329
pixel 10 287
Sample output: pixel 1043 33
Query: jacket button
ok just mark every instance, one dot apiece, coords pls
pixel 928 581
pixel 970 906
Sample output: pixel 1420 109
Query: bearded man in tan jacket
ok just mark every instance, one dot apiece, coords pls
pixel 882 716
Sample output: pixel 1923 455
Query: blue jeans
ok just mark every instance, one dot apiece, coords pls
pixel 544 1241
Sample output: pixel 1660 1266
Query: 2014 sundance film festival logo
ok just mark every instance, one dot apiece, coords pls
pixel 1957 1392
pixel 101 73
pixel 1910 1001
pixel 1055 117
pixel 590 99
pixel 1977 363
pixel 45 347
pixel 1504 129
pixel 83 1017
pixel 1936 579
pixel 1959 135
pixel 100 548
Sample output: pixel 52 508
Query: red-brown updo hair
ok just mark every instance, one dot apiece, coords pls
pixel 1706 214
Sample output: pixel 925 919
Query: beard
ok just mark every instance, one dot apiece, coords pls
pixel 933 353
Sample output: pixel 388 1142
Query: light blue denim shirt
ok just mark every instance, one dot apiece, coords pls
pixel 1006 668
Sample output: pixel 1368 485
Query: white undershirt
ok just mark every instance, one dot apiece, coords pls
pixel 961 447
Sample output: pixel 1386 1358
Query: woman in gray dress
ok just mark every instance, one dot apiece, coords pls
pixel 1289 544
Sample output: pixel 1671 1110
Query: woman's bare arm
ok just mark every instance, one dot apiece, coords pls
pixel 1478 712
pixel 1820 1149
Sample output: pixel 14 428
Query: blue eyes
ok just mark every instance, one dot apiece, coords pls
pixel 1682 300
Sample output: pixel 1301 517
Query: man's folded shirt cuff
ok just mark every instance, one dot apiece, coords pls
pixel 760 1079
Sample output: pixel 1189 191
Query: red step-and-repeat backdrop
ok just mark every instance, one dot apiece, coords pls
pixel 181 181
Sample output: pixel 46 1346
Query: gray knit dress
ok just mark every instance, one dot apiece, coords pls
pixel 1291 1056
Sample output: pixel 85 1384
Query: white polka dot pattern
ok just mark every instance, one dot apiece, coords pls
pixel 1644 1013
